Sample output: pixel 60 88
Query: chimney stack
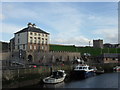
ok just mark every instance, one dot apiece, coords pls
pixel 34 25
pixel 29 24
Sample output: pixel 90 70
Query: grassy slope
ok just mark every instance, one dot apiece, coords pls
pixel 92 51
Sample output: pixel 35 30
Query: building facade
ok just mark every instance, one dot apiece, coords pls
pixel 31 38
pixel 108 45
pixel 108 58
pixel 98 43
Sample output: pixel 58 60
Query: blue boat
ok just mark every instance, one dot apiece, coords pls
pixel 82 71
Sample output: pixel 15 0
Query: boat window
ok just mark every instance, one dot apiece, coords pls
pixel 80 67
pixel 84 67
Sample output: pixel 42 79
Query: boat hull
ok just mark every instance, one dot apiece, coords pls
pixel 82 74
pixel 50 80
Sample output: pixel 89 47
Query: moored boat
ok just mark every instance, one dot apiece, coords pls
pixel 116 69
pixel 56 77
pixel 82 71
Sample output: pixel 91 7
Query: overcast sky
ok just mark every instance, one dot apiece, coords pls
pixel 71 23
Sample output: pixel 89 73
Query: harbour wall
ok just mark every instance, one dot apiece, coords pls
pixel 25 77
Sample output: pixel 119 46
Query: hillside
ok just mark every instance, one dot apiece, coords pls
pixel 82 50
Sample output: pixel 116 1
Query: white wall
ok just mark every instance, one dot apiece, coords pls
pixel 41 36
pixel 22 40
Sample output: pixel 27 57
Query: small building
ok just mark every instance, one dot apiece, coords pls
pixel 108 45
pixel 108 58
pixel 4 46
pixel 12 44
pixel 98 43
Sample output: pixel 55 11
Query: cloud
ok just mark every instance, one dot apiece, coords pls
pixel 66 23
pixel 109 35
pixel 10 28
pixel 78 40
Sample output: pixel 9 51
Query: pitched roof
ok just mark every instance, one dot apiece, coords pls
pixel 31 29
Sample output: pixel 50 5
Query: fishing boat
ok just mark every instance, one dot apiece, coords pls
pixel 83 71
pixel 56 77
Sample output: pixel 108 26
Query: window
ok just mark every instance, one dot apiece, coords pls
pixel 46 35
pixel 46 43
pixel 34 47
pixel 35 41
pixel 39 34
pixel 80 67
pixel 30 33
pixel 35 34
pixel 84 67
pixel 42 42
pixel 39 41
pixel 43 35
pixel 18 34
pixel 18 47
pixel 18 40
pixel 39 47
pixel 42 47
pixel 23 46
pixel 30 46
pixel 113 58
pixel 30 39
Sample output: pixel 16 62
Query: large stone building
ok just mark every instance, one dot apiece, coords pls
pixel 30 39
pixel 98 43
pixel 31 45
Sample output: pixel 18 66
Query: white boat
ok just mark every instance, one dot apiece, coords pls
pixel 83 71
pixel 58 85
pixel 116 69
pixel 56 77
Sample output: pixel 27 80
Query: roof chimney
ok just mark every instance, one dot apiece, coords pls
pixel 34 25
pixel 30 24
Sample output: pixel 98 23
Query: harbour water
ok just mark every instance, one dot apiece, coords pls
pixel 107 80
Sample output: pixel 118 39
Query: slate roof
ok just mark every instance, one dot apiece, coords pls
pixel 31 29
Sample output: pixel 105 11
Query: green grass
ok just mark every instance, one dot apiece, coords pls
pixel 82 50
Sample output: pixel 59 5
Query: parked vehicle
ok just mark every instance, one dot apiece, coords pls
pixel 56 77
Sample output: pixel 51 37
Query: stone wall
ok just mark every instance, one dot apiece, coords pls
pixel 52 57
pixel 39 57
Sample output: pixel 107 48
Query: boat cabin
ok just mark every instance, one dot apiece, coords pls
pixel 84 67
pixel 57 74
